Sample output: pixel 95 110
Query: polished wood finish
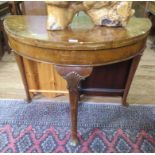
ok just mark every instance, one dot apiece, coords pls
pixel 78 52
pixel 90 39
pixel 86 40
pixel 132 71
pixel 110 81
pixel 21 67
pixel 73 76
pixel 52 84
pixel 44 79
pixel 80 36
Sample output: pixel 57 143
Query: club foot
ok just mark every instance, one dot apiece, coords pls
pixel 74 141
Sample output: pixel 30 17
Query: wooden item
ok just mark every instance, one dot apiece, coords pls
pixel 16 7
pixel 150 13
pixel 104 58
pixel 108 13
pixel 73 76
pixel 4 11
pixel 50 84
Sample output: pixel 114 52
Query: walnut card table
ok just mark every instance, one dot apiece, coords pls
pixel 93 60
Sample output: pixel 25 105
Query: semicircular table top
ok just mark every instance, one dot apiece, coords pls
pixel 75 51
pixel 82 34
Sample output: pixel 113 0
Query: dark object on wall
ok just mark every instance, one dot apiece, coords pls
pixel 150 12
pixel 16 7
pixel 4 11
pixel 139 8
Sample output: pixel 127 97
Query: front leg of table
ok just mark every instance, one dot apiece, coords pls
pixel 73 76
pixel 132 71
pixel 19 60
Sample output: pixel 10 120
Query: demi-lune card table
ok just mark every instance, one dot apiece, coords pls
pixel 93 60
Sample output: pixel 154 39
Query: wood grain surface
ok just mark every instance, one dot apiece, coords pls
pixel 11 86
pixel 99 46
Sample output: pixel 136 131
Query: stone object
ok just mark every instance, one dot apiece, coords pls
pixel 107 13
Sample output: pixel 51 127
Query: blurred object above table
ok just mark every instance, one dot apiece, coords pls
pixel 150 13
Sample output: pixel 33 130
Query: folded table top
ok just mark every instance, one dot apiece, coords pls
pixel 82 34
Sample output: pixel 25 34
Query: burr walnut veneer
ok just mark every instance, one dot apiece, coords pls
pixel 92 60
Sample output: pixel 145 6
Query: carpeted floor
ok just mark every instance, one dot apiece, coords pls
pixel 44 126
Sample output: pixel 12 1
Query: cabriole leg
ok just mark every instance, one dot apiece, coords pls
pixel 73 76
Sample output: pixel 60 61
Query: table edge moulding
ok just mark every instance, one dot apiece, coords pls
pixel 79 54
